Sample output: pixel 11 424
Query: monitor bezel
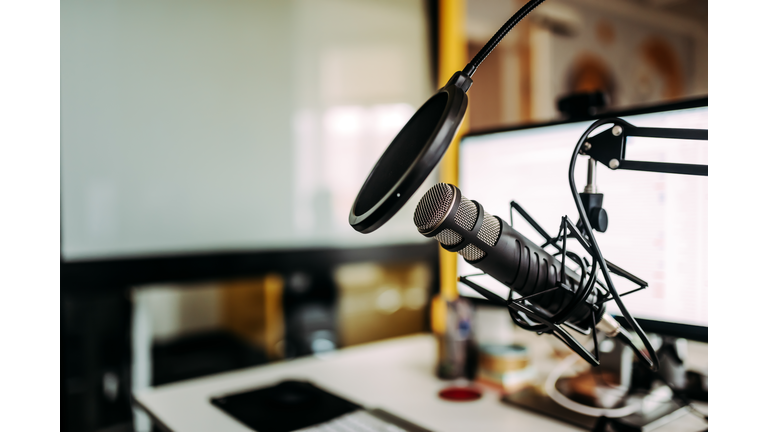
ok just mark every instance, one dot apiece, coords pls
pixel 669 328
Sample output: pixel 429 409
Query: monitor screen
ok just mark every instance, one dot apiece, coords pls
pixel 657 226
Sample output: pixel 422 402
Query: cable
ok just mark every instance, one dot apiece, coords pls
pixel 625 337
pixel 565 402
pixel 562 400
pixel 651 360
pixel 472 66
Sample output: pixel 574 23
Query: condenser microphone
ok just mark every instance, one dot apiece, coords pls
pixel 493 246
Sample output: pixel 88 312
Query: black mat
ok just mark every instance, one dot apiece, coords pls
pixel 284 407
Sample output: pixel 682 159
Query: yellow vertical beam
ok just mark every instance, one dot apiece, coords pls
pixel 452 57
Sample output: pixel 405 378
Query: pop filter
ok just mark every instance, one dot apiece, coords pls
pixel 411 156
pixel 422 142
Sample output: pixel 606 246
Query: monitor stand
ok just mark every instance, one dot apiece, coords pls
pixel 617 382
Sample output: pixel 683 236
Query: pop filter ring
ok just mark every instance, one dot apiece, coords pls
pixel 381 196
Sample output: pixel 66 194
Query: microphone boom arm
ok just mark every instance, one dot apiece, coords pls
pixel 609 148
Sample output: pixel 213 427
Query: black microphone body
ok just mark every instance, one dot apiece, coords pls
pixel 490 244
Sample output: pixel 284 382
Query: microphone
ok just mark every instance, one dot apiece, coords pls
pixel 493 246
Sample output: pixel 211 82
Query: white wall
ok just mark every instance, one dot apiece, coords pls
pixel 208 125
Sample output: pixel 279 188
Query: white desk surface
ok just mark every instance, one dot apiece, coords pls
pixel 397 375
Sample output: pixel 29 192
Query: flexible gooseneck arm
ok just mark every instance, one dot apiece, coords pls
pixel 471 67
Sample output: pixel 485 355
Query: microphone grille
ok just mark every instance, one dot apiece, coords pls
pixel 433 207
pixel 449 237
pixel 489 234
pixel 471 252
pixel 466 215
pixel 490 230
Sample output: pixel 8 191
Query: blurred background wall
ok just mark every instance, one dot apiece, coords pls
pixel 637 52
pixel 211 150
pixel 210 154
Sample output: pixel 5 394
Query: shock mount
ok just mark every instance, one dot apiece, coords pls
pixel 608 148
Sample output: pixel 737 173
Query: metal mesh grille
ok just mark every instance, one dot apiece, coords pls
pixel 449 237
pixel 466 215
pixel 433 207
pixel 490 230
pixel 471 253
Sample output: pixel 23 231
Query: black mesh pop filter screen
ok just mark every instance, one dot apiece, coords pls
pixel 411 156
pixel 399 156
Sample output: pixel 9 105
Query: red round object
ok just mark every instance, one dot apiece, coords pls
pixel 460 394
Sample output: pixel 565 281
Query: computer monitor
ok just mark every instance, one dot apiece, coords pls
pixel 657 226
